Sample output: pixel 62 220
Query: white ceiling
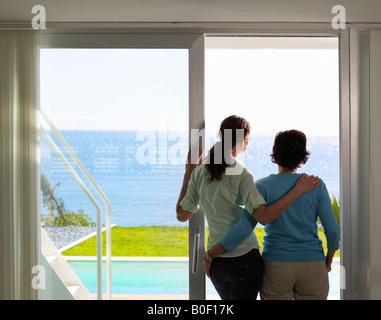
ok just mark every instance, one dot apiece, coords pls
pixel 190 10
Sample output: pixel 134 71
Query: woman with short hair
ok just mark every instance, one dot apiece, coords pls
pixel 295 266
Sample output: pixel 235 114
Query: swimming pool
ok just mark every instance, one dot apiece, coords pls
pixel 157 277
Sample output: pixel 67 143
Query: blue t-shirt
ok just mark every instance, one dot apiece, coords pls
pixel 293 236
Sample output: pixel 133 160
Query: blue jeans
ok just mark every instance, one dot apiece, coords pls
pixel 238 278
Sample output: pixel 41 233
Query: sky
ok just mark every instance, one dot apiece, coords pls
pixel 275 89
pixel 115 89
pixel 147 89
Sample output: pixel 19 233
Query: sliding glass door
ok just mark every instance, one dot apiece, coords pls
pixel 127 104
pixel 126 114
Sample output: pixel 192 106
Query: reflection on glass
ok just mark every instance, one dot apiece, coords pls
pixel 124 112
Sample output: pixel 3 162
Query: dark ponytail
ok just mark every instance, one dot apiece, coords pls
pixel 216 159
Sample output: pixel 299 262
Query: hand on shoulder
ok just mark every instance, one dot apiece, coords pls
pixel 307 183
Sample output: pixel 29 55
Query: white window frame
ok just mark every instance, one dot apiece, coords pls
pixel 192 37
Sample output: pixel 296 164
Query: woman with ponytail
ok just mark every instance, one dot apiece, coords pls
pixel 223 187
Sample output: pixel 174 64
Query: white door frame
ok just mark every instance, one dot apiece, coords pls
pixel 196 45
pixel 360 49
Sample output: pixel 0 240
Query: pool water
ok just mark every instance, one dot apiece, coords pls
pixel 157 277
pixel 139 277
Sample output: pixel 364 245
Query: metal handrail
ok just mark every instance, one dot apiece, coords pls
pixel 99 225
pixel 89 196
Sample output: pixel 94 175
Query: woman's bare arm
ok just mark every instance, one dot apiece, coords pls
pixel 193 161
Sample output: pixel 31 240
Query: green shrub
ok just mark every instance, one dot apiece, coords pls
pixel 58 214
pixel 74 218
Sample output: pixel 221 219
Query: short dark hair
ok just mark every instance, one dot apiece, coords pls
pixel 289 149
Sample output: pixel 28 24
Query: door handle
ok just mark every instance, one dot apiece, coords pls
pixel 196 248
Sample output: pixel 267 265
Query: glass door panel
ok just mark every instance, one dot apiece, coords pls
pixel 124 112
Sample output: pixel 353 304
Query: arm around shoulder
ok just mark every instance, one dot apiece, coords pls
pixel 265 214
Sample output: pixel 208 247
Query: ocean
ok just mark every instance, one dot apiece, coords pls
pixel 141 172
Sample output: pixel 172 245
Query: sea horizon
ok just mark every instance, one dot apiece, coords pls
pixel 141 172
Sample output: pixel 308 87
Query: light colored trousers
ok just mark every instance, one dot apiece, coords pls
pixel 294 280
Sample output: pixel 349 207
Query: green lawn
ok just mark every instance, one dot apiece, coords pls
pixel 160 241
